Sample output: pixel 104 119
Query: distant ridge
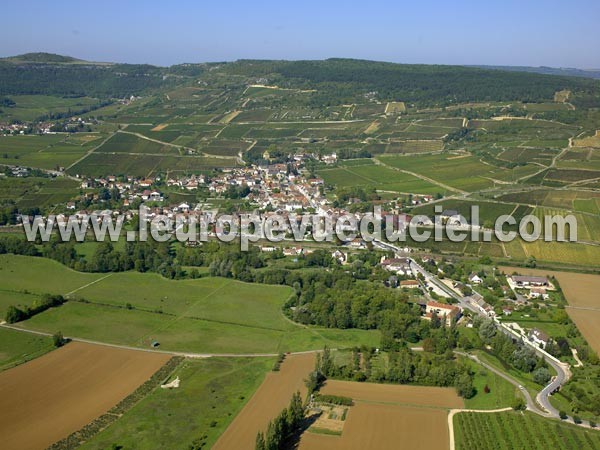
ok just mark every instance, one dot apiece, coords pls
pixel 41 57
pixel 565 71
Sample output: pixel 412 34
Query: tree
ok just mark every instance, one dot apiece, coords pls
pixel 58 339
pixel 541 375
pixel 464 386
pixel 295 410
pixel 518 404
pixel 14 314
pixel 260 441
pixel 487 331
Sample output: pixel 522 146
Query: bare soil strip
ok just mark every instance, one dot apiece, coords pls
pixel 49 398
pixel 272 396
pixel 388 417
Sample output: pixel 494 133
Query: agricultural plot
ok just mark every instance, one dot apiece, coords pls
pixel 253 115
pixel 414 146
pixel 35 192
pixel 17 347
pixel 527 431
pixel 271 397
pixel 369 109
pixel 129 143
pixel 211 393
pixel 488 212
pixel 47 151
pixel 384 415
pixel 568 176
pixel 382 178
pixel 66 389
pixel 31 107
pixel 224 147
pixel 512 129
pixel 208 315
pixel 463 172
pixel 525 153
pixel 589 141
pixel 99 164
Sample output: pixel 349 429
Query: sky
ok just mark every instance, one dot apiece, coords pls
pixel 532 33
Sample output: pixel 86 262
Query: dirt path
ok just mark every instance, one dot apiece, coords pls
pixel 86 285
pixel 273 395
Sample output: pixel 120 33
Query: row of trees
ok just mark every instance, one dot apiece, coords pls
pixel 283 427
pixel 17 313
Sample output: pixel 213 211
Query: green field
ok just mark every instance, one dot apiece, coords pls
pixel 17 347
pixel 34 192
pixel 129 143
pixel 31 107
pixel 512 430
pixel 141 165
pixel 211 390
pixel 380 177
pixel 207 315
pixel 460 172
pixel 501 392
pixel 49 151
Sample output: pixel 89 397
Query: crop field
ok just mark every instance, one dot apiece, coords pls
pixel 37 192
pixel 98 164
pixel 583 201
pixel 488 212
pixel 460 172
pixel 47 151
pixel 272 396
pixel 422 146
pixel 384 415
pixel 64 390
pixel 129 143
pixel 212 389
pixel 208 315
pixel 17 347
pixel 527 431
pixel 511 129
pixel 571 175
pixel 380 177
pixel 31 107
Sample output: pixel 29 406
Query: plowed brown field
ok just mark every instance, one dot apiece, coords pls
pixel 389 417
pixel 272 396
pixel 581 291
pixel 48 398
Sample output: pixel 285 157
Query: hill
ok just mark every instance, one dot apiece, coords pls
pixel 41 57
pixel 562 71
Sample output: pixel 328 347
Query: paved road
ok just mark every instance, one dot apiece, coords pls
pixel 562 369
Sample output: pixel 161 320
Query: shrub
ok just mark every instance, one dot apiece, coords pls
pixel 58 339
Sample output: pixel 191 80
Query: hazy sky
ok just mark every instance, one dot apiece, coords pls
pixel 551 33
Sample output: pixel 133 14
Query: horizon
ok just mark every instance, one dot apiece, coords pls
pixel 77 58
pixel 465 34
